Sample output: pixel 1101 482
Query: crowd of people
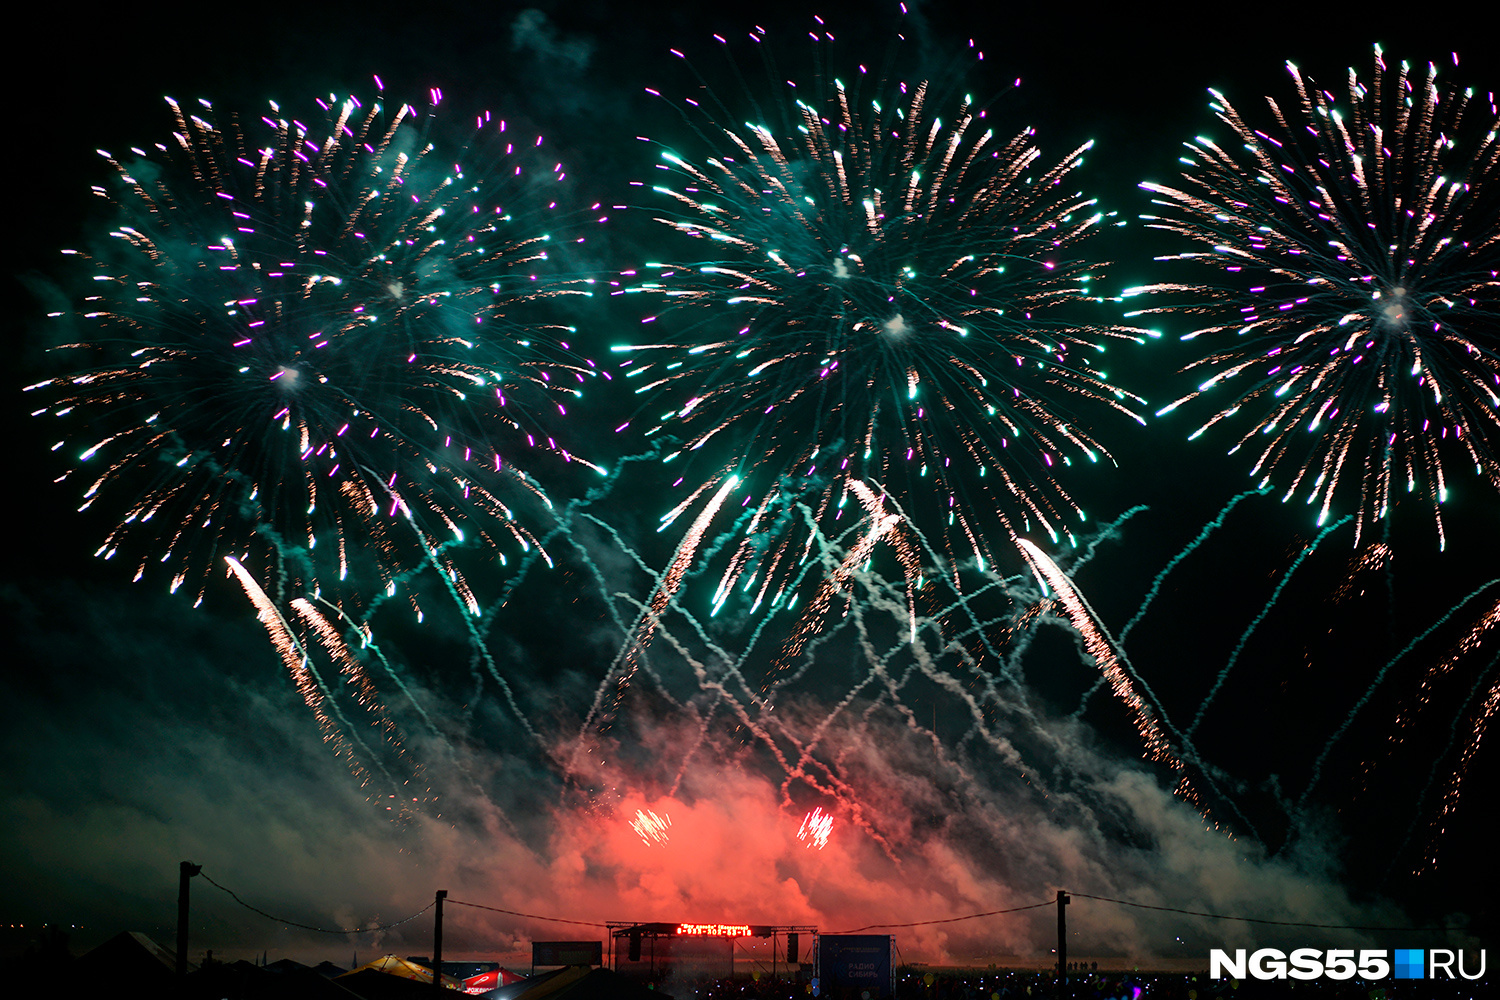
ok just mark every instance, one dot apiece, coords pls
pixel 1083 983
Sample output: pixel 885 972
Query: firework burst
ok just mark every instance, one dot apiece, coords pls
pixel 317 344
pixel 816 828
pixel 1357 323
pixel 651 828
pixel 875 301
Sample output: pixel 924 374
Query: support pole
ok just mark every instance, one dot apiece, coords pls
pixel 1062 943
pixel 185 871
pixel 437 941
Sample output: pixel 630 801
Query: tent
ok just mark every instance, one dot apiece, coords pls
pixel 129 956
pixel 391 965
pixel 245 981
pixel 577 982
pixel 486 981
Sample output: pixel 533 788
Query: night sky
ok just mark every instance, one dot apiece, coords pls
pixel 139 731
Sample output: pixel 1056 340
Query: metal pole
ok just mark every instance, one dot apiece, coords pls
pixel 1062 943
pixel 185 871
pixel 437 941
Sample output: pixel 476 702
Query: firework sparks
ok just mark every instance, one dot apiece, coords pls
pixel 1102 649
pixel 337 730
pixel 1360 242
pixel 651 828
pixel 306 349
pixel 1469 727
pixel 816 826
pixel 877 302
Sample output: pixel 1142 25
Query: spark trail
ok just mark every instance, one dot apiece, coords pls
pixel 1104 651
pixel 337 729
pixel 1250 629
pixel 1317 772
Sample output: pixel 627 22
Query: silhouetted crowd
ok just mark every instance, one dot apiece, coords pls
pixel 1088 983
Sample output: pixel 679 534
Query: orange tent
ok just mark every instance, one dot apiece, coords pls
pixel 395 966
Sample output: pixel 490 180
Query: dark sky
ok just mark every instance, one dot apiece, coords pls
pixel 139 731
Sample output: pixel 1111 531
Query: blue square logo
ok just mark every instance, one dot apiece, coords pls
pixel 1409 964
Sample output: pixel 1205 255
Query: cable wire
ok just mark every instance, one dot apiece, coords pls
pixel 1251 920
pixel 946 920
pixel 310 927
pixel 529 916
